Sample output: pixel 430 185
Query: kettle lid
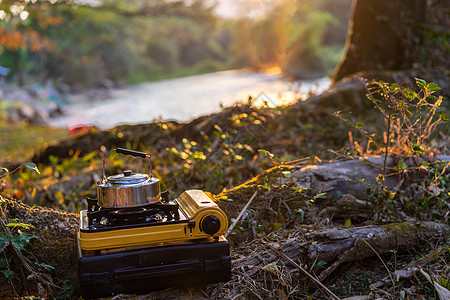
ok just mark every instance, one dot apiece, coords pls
pixel 127 177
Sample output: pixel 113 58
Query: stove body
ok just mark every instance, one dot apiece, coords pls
pixel 152 246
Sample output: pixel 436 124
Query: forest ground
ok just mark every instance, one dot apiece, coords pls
pixel 317 183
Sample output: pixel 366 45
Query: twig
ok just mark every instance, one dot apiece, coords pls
pixel 304 272
pixel 389 272
pixel 373 99
pixel 240 214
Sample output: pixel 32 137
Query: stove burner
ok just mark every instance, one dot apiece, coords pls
pixel 116 218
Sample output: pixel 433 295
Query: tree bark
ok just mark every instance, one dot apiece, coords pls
pixel 337 246
pixel 383 35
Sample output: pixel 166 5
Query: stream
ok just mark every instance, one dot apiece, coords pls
pixel 185 98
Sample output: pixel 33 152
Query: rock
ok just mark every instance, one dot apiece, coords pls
pixel 13 94
pixel 18 111
pixel 346 177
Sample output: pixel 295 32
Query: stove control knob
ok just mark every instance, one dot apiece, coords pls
pixel 210 225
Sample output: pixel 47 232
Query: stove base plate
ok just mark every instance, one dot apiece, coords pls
pixel 144 270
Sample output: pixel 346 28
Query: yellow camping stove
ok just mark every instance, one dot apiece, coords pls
pixel 132 239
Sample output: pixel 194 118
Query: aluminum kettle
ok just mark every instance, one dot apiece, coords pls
pixel 128 189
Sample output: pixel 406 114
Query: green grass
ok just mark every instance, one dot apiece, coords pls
pixel 20 141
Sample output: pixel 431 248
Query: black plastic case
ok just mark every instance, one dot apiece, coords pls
pixel 144 270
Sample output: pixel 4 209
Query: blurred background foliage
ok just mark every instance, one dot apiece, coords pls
pixel 88 44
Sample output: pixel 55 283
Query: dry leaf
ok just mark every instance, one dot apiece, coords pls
pixel 443 293
pixel 408 273
pixel 271 268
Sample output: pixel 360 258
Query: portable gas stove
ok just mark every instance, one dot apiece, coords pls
pixel 133 239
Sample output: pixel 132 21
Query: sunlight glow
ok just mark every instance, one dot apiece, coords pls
pixel 275 99
pixel 24 15
pixel 16 9
pixel 273 71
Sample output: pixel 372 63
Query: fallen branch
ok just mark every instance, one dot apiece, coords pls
pixel 339 246
pixel 241 213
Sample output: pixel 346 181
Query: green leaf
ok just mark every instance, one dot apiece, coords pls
pixel 297 189
pixel 265 152
pixel 359 125
pixel 276 226
pixel 45 266
pixel 320 264
pixel 4 263
pixel 32 166
pixel 348 223
pixel 20 225
pixel 4 241
pixel 321 196
pixel 394 86
pixel 409 93
pixel 336 196
pixel 435 212
pixel 443 117
pixel 249 223
pixel 400 165
pixel 287 174
pixel 240 228
pixel 380 178
pixel 8 274
pixel 421 83
pixel 418 149
pixel 300 212
pixel 433 87
pixel 21 241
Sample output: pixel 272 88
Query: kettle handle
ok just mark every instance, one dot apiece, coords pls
pixel 127 152
pixel 131 152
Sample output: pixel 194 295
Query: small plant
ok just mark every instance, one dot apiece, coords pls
pixel 410 117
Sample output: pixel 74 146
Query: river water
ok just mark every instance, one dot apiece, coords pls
pixel 185 98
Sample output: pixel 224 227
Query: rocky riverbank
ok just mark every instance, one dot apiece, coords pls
pixel 37 104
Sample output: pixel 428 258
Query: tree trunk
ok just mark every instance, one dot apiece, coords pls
pixel 383 35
